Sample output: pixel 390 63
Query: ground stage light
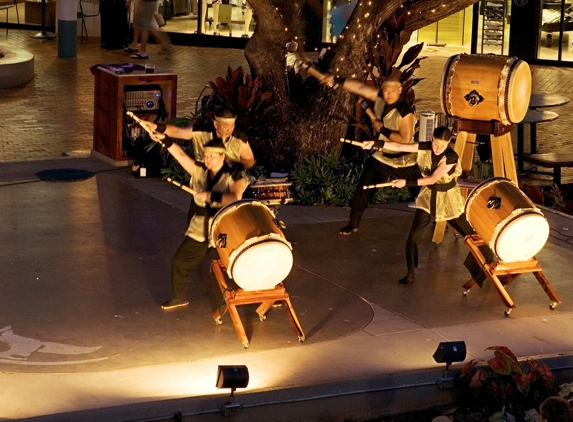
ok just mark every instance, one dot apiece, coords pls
pixel 233 377
pixel 448 352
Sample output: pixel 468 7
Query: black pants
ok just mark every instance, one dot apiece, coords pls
pixel 186 259
pixel 421 222
pixel 377 172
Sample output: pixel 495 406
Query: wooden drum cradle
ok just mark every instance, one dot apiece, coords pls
pixel 257 257
pixel 507 220
pixel 485 87
pixel 251 245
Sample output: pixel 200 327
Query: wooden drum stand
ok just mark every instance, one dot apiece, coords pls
pixel 509 272
pixel 503 166
pixel 266 298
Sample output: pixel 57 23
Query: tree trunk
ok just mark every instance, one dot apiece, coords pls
pixel 315 126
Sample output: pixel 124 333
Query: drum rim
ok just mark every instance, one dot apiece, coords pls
pixel 251 243
pixel 503 224
pixel 236 204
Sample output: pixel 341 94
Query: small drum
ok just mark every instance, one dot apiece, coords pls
pixel 486 87
pixel 251 245
pixel 271 192
pixel 507 220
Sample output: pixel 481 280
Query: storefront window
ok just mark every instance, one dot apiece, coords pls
pixel 231 18
pixel 556 36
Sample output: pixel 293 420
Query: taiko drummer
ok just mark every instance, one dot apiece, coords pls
pixel 214 184
pixel 439 199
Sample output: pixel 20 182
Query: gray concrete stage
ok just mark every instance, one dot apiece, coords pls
pixel 85 267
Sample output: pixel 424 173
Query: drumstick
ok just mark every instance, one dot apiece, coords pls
pixel 185 188
pixel 357 143
pixel 313 72
pixel 138 120
pixel 379 185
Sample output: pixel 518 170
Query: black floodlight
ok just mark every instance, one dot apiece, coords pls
pixel 448 352
pixel 233 377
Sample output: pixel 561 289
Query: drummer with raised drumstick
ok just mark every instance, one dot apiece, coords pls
pixel 237 149
pixel 395 121
pixel 440 198
pixel 214 184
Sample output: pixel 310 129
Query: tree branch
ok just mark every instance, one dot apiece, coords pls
pixel 421 13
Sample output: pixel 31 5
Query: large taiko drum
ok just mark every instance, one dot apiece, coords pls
pixel 506 219
pixel 251 245
pixel 486 87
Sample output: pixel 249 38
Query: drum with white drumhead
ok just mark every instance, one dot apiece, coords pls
pixel 507 220
pixel 251 245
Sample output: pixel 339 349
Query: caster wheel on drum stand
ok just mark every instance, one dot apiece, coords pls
pixel 301 339
pixel 507 312
pixel 262 317
pixel 245 345
pixel 219 321
pixel 552 305
pixel 465 293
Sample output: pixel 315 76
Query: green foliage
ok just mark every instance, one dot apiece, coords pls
pixel 508 388
pixel 252 104
pixel 328 180
pixel 383 51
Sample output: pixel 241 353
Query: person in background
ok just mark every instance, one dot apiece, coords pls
pixel 144 21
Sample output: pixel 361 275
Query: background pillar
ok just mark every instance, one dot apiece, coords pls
pixel 67 28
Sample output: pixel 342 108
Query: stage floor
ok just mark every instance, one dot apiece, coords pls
pixel 86 265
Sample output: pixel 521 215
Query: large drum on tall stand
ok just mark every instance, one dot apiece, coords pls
pixel 507 220
pixel 251 245
pixel 485 87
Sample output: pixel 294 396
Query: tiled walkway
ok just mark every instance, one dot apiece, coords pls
pixel 53 114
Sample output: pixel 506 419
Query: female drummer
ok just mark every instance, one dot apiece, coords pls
pixel 440 198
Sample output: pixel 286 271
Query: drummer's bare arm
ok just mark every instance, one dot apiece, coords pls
pixel 351 85
pixel 397 146
pixel 365 91
pixel 181 156
pixel 247 157
pixel 424 181
pixel 405 130
pixel 170 130
pixel 235 193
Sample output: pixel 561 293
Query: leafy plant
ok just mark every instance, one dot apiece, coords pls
pixel 328 180
pixel 509 386
pixel 383 51
pixel 246 96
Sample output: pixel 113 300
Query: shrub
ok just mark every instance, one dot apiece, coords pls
pixel 508 389
pixel 330 180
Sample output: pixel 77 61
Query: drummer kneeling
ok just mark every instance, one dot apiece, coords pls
pixel 215 184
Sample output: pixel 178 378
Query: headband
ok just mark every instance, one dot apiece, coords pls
pixel 219 150
pixel 392 82
pixel 225 119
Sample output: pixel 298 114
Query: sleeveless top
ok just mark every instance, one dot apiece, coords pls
pixel 391 116
pixel 198 228
pixel 444 200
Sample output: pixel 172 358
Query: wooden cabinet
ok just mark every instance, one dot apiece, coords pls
pixel 109 110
